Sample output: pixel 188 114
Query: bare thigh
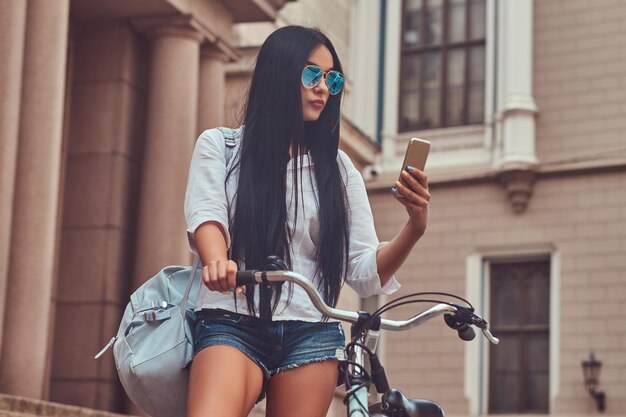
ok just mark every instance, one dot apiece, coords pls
pixel 305 391
pixel 223 382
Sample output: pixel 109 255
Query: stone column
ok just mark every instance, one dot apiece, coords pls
pixel 518 160
pixel 170 133
pixel 36 200
pixel 518 105
pixel 212 93
pixel 12 23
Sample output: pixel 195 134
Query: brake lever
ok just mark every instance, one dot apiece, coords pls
pixel 483 325
pixel 467 314
pixel 490 337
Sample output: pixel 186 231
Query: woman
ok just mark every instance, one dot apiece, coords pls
pixel 288 192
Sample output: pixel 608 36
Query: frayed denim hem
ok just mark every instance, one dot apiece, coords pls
pixel 302 363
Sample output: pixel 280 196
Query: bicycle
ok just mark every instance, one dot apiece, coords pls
pixel 365 332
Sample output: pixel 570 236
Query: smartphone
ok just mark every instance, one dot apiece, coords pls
pixel 416 154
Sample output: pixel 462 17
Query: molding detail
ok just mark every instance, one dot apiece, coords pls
pixel 518 183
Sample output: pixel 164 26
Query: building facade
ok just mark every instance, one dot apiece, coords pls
pixel 523 102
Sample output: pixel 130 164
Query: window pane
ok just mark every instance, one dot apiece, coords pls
pixel 411 80
pixel 409 117
pixel 506 295
pixel 538 288
pixel 434 22
pixel 477 17
pixel 477 84
pixel 538 352
pixel 456 28
pixel 454 106
pixel 432 69
pixel 412 23
pixel 537 377
pixel 432 90
pixel 505 374
pixel 456 82
pixel 477 64
pixel 476 104
pixel 431 109
pixel 411 72
pixel 413 4
pixel 456 67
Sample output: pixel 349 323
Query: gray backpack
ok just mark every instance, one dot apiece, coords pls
pixel 154 343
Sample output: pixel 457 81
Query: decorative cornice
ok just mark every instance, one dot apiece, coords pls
pixel 489 175
pixel 184 26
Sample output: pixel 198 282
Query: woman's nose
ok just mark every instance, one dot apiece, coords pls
pixel 321 87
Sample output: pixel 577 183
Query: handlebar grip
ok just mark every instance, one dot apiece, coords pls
pixel 466 333
pixel 246 277
pixel 463 328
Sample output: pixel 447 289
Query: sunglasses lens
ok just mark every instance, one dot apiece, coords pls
pixel 311 76
pixel 334 82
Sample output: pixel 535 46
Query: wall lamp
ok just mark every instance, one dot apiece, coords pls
pixel 591 373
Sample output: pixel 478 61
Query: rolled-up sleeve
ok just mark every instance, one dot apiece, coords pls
pixel 205 197
pixel 362 274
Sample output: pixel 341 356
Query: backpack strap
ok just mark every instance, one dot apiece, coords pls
pixel 229 140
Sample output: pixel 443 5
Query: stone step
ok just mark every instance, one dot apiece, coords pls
pixel 7 413
pixel 14 406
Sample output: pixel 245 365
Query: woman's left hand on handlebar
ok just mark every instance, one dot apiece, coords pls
pixel 412 192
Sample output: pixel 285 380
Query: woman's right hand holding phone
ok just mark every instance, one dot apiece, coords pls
pixel 413 193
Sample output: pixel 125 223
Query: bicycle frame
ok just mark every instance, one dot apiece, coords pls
pixel 359 399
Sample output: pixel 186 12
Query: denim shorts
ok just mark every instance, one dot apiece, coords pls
pixel 275 347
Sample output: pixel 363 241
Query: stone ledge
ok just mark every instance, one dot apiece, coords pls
pixel 14 406
pixel 5 413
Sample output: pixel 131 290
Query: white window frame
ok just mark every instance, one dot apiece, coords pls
pixel 451 146
pixel 476 383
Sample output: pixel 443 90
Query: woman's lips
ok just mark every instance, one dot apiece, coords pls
pixel 317 104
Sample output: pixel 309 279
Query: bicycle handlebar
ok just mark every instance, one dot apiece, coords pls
pixel 258 277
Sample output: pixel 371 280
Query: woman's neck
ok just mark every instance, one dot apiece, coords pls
pixel 293 154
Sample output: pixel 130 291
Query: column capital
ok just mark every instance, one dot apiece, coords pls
pixel 211 51
pixel 171 25
pixel 183 26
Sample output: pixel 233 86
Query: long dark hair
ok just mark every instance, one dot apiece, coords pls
pixel 273 123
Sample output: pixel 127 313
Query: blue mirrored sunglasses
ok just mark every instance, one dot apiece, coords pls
pixel 312 75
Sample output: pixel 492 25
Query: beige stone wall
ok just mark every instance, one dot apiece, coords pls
pixel 579 81
pixel 582 216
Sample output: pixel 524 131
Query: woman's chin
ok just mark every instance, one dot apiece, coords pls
pixel 312 116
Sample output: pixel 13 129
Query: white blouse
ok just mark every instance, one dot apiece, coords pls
pixel 210 197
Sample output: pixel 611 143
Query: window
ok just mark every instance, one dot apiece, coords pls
pixel 520 316
pixel 442 71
